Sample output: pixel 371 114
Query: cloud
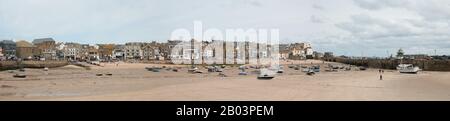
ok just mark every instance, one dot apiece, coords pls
pixel 344 26
pixel 380 4
pixel 432 10
pixel 317 19
pixel 397 33
pixel 318 7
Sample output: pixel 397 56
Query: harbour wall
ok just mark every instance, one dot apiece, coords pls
pixel 6 65
pixel 426 65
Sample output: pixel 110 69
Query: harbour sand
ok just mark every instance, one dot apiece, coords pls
pixel 133 82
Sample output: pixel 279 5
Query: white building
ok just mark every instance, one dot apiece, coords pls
pixel 134 50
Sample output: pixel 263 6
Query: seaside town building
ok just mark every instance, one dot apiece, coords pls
pixel 25 50
pixel 1 54
pixel 72 51
pixel 238 52
pixel 9 49
pixel 105 51
pixel 318 55
pixel 133 50
pixel 284 51
pixel 300 51
pixel 93 53
pixel 118 52
pixel 328 55
pixel 151 51
pixel 47 48
pixel 166 49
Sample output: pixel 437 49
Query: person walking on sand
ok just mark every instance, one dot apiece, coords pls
pixel 381 77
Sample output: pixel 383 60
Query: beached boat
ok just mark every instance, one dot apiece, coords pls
pixel 222 75
pixel 153 69
pixel 297 68
pixel 348 68
pixel 175 70
pixel 266 74
pixel 362 68
pixel 149 68
pixel 334 67
pixel 315 68
pixel 243 73
pixel 19 75
pixel 311 72
pixel 408 68
pixel 291 66
pixel 280 69
pixel 156 70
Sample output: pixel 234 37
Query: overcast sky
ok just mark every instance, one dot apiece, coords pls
pixel 350 27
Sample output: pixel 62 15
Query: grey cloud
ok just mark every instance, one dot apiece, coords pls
pixel 318 7
pixel 379 4
pixel 433 10
pixel 316 19
pixel 390 34
pixel 367 27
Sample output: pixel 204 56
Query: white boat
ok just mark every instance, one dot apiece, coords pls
pixel 266 74
pixel 408 68
pixel 280 69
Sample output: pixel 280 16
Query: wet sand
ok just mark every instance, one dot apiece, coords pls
pixel 133 82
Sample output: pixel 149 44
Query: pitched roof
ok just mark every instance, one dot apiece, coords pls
pixel 37 41
pixel 7 42
pixel 23 43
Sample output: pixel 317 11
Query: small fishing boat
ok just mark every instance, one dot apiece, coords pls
pixel 192 70
pixel 243 73
pixel 266 74
pixel 297 68
pixel 222 75
pixel 175 70
pixel 156 69
pixel 280 69
pixel 19 75
pixel 291 66
pixel 362 68
pixel 408 68
pixel 311 72
pixel 348 68
pixel 315 68
pixel 149 68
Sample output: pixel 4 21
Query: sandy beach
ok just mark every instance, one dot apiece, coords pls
pixel 133 82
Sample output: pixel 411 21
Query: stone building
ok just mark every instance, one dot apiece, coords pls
pixel 93 53
pixel 46 48
pixel 105 51
pixel 25 50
